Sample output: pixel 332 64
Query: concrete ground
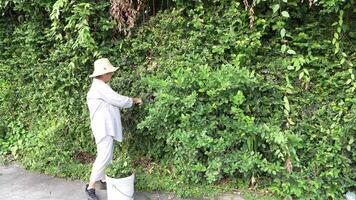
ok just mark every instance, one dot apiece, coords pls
pixel 19 184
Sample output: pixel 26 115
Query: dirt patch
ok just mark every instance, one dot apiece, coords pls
pixel 84 157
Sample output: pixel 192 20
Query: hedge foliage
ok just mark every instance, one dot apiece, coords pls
pixel 266 96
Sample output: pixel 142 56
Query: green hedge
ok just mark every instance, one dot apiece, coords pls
pixel 268 99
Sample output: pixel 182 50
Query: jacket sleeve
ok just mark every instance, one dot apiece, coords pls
pixel 113 98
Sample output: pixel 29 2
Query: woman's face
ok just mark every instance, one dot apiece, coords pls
pixel 106 77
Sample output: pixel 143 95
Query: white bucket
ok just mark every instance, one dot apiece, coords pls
pixel 120 188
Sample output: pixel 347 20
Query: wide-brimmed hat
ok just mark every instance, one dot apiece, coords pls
pixel 102 66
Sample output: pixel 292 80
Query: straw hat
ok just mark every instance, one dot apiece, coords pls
pixel 102 66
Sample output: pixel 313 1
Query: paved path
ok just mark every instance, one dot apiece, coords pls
pixel 19 184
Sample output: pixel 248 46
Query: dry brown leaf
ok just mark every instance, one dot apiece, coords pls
pixel 289 165
pixel 252 183
pixel 125 13
pixel 251 12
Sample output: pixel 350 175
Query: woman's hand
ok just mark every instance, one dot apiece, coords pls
pixel 137 100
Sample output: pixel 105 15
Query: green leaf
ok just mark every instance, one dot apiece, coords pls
pixel 301 75
pixel 337 48
pixel 290 51
pixel 283 32
pixel 285 14
pixel 250 143
pixel 336 35
pixel 275 8
pixel 290 121
pixel 283 48
pixel 286 103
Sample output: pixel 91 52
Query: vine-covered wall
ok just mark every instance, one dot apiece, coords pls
pixel 260 91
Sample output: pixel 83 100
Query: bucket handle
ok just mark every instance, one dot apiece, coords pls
pixel 131 197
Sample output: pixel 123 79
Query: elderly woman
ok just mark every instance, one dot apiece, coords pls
pixel 105 120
